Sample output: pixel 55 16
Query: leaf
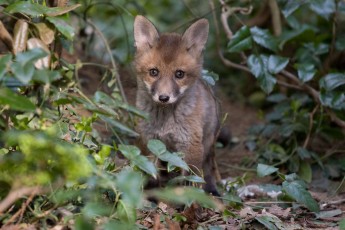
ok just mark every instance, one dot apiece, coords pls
pixel 129 151
pixel 132 153
pixel 257 64
pixel 276 63
pixel 267 82
pixel 30 56
pixel 342 224
pixel 323 8
pixel 264 38
pixel 303 153
pixel 301 195
pixel 62 27
pixel 186 195
pixel 130 184
pixel 119 126
pixel 210 77
pixel 305 171
pixel 23 68
pixel 125 212
pixel 306 72
pixel 82 223
pixel 335 100
pixel 118 225
pixel 34 9
pixel 265 170
pixel 46 76
pixel 332 81
pixel 46 32
pixel 15 101
pixel 191 178
pixel 157 147
pixel 44 62
pixel 20 36
pixel 174 160
pixel 241 40
pixel 93 209
pixel 291 6
pixel 5 62
pixel 267 222
pixel 328 214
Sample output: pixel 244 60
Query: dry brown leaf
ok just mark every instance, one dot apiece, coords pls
pixel 193 213
pixel 20 36
pixel 278 211
pixel 46 32
pixel 6 37
pixel 248 212
pixel 163 207
pixel 42 63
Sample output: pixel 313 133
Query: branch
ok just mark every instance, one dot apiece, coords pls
pixel 276 20
pixel 14 195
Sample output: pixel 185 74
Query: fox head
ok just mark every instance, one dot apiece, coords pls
pixel 168 64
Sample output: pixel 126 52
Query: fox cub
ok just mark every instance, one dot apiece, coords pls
pixel 182 110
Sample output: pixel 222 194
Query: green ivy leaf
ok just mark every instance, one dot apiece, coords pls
pixel 210 77
pixel 174 160
pixel 34 9
pixel 157 147
pixel 132 153
pixel 5 62
pixel 323 8
pixel 268 222
pixel 257 64
pixel 94 209
pixel 267 82
pixel 62 27
pixel 125 212
pixel 306 72
pixel 46 76
pixel 264 170
pixel 264 38
pixel 191 178
pixel 115 224
pixel 186 195
pixel 301 195
pixel 258 67
pixel 332 99
pixel 303 153
pixel 130 184
pixel 291 6
pixel 276 63
pixel 15 101
pixel 305 171
pixel 241 40
pixel 332 81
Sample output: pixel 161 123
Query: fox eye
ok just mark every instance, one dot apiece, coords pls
pixel 179 74
pixel 154 72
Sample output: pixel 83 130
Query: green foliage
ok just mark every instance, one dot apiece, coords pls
pixel 292 186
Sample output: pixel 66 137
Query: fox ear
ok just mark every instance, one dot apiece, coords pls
pixel 195 37
pixel 145 33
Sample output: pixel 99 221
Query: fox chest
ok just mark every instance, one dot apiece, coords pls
pixel 175 133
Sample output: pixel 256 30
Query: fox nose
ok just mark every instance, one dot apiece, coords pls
pixel 164 98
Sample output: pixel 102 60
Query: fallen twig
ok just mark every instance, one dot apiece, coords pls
pixel 14 195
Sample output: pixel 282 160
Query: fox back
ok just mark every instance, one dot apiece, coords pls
pixel 182 110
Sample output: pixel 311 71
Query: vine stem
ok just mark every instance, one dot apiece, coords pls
pixel 113 63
